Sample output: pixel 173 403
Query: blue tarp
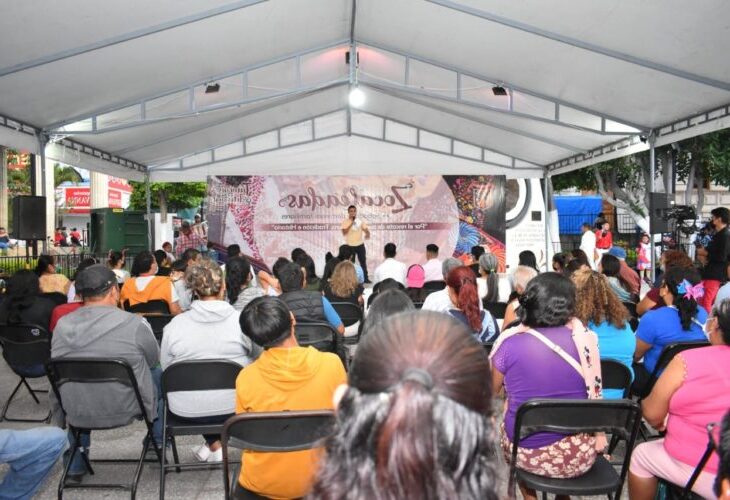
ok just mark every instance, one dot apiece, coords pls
pixel 575 210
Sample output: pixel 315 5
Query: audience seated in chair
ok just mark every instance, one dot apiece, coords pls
pixel 210 330
pixel 343 285
pixel 440 301
pixel 413 377
pixel 722 445
pixel 600 309
pixel 50 280
pixel 306 305
pixel 520 278
pixel 492 287
pixel 240 285
pixel 75 302
pixel 386 304
pixel 669 259
pixel 144 286
pixel 390 267
pixel 610 266
pixel 550 355
pixel 285 377
pixel 100 329
pixel 415 278
pixel 463 292
pixel 432 267
pixel 690 394
pixel 681 320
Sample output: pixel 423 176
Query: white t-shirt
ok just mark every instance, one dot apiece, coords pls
pixel 441 302
pixel 391 268
pixel 432 270
pixel 143 281
pixel 588 245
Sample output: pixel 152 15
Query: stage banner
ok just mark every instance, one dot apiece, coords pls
pixel 268 216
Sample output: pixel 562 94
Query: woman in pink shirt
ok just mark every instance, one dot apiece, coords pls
pixel 692 392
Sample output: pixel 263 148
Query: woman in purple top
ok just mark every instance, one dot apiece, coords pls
pixel 527 368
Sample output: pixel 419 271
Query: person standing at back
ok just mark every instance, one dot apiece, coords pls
pixel 356 231
pixel 715 257
pixel 588 243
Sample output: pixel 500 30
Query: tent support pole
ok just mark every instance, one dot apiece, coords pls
pixel 42 141
pixel 149 204
pixel 652 174
pixel 546 214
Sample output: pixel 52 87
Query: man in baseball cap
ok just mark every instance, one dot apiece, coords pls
pixel 99 329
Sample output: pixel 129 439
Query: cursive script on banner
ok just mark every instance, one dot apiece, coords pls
pixel 312 200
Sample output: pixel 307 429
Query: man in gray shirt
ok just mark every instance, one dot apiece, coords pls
pixel 100 329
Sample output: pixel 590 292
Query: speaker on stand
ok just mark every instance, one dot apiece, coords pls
pixel 29 219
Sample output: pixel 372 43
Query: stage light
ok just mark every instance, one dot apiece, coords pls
pixel 212 88
pixel 356 97
pixel 498 90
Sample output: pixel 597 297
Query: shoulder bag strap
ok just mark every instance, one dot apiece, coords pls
pixel 557 350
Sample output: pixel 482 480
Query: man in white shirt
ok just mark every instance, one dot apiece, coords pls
pixel 588 244
pixel 440 301
pixel 432 267
pixel 390 268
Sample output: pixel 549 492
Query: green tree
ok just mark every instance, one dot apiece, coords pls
pixel 166 196
pixel 65 173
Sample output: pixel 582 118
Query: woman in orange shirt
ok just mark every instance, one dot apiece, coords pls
pixel 144 286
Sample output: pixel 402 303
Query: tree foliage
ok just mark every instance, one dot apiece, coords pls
pixel 166 196
pixel 65 173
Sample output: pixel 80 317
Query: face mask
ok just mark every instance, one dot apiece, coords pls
pixel 706 327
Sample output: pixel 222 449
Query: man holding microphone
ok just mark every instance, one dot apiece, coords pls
pixel 354 229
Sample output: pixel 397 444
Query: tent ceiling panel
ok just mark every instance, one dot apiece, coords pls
pixel 190 53
pixel 626 90
pixel 342 156
pixel 168 145
pixel 473 132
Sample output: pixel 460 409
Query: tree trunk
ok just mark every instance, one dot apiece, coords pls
pixel 700 184
pixel 690 182
pixel 162 200
pixel 623 199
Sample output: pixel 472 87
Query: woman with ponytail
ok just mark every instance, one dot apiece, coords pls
pixel 415 420
pixel 464 294
pixel 680 320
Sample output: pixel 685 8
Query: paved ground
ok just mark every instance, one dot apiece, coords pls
pixel 125 443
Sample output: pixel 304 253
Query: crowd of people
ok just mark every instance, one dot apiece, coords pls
pixel 416 402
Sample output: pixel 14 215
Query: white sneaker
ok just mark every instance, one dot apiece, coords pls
pixel 215 456
pixel 202 453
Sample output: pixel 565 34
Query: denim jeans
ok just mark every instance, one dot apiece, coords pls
pixel 31 455
pixel 78 466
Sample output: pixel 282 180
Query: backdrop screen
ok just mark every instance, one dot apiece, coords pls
pixel 268 216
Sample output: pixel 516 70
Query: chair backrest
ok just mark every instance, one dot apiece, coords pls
pixel 57 297
pixel 320 335
pixel 615 375
pixel 200 375
pixel 349 313
pixel 62 371
pixel 25 345
pixel 631 307
pixel 497 309
pixel 667 355
pixel 619 417
pixel 274 432
pixel 435 285
pixel 157 323
pixel 150 307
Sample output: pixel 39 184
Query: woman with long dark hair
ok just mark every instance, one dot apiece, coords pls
pixel 610 266
pixel 116 261
pixel 464 294
pixel 386 304
pixel 527 258
pixel 240 288
pixel 310 271
pixel 415 420
pixel 681 320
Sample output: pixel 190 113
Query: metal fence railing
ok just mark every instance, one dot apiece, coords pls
pixel 66 263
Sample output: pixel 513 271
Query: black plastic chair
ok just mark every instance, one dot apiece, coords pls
pixel 618 417
pixel 497 309
pixel 157 323
pixel 150 307
pixel 274 432
pixel 685 493
pixel 350 314
pixel 81 371
pixel 25 347
pixel 58 298
pixel 320 335
pixel 198 375
pixel 434 286
pixel 616 375
pixel 666 356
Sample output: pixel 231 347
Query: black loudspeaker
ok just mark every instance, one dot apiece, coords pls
pixel 659 204
pixel 29 218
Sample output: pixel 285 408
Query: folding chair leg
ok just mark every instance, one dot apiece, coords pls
pixel 163 472
pixel 10 400
pixel 140 464
pixel 175 456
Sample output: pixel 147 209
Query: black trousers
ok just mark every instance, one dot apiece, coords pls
pixel 360 252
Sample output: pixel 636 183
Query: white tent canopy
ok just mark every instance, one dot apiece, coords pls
pixel 120 87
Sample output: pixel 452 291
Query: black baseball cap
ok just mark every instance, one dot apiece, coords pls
pixel 95 279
